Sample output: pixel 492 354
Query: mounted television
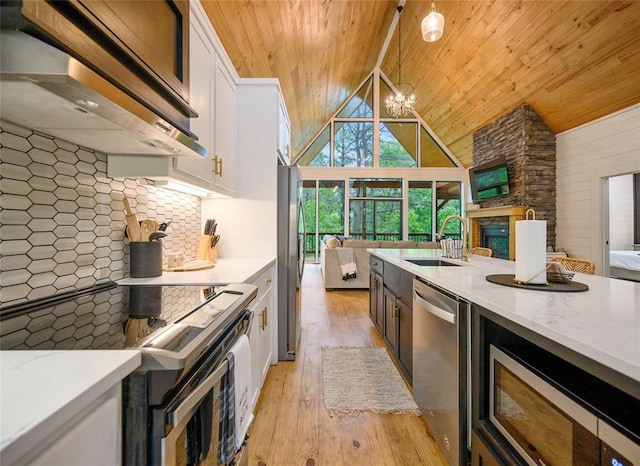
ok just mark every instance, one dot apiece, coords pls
pixel 489 180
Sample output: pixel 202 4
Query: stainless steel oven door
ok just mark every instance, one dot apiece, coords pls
pixel 176 445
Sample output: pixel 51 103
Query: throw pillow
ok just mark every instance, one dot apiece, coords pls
pixel 332 242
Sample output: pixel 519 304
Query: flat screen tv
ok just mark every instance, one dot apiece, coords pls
pixel 489 180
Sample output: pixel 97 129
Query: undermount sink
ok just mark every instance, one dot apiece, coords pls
pixel 431 262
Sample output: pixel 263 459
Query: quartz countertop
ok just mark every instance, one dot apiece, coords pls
pixel 225 271
pixel 602 323
pixel 40 391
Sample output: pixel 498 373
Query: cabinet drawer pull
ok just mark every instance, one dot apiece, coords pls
pixel 217 165
pixel 269 280
pixel 263 315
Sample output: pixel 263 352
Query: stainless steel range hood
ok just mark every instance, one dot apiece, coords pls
pixel 45 89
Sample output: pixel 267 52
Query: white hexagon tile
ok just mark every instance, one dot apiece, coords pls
pixel 62 220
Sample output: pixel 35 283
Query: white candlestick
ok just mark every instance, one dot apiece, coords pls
pixel 531 251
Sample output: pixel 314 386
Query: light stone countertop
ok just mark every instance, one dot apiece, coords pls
pixel 602 323
pixel 40 391
pixel 226 271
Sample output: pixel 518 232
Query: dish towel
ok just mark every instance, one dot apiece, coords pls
pixel 347 261
pixel 241 352
pixel 235 401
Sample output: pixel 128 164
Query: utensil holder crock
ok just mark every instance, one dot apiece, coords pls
pixel 145 259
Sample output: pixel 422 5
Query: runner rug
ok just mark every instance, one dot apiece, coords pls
pixel 363 379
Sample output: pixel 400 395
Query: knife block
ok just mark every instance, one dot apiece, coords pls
pixel 205 252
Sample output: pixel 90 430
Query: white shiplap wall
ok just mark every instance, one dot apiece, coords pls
pixel 585 157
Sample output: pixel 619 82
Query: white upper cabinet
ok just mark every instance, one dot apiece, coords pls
pixel 224 139
pixel 213 96
pixel 284 131
pixel 201 58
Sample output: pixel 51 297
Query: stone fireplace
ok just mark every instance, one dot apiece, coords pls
pixel 529 149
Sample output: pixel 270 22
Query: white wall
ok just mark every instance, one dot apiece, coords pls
pixel 586 156
pixel 621 213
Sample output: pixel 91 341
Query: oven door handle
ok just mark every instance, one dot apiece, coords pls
pixel 185 409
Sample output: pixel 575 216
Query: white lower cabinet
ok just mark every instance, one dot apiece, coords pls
pixel 94 437
pixel 260 335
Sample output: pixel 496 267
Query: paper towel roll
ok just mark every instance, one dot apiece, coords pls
pixel 531 251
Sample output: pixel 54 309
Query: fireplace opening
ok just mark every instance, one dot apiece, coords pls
pixel 496 238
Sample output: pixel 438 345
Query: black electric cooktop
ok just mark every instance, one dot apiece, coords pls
pixel 112 316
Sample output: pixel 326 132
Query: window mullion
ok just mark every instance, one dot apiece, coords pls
pixel 376 118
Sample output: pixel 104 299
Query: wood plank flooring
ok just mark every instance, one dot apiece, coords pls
pixel 292 426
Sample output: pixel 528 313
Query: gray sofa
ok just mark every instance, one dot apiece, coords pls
pixel 331 272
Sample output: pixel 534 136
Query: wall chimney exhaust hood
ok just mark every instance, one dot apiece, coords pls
pixel 43 88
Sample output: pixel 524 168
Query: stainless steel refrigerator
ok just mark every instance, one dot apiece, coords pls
pixel 291 233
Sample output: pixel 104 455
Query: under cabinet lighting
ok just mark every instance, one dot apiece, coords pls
pixel 181 187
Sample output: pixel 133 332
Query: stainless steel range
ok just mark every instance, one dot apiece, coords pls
pixel 178 405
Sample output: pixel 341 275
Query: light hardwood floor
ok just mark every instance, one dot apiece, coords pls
pixel 292 426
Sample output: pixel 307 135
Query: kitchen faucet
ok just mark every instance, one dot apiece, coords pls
pixel 465 255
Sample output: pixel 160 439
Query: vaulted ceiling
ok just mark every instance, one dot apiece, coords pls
pixel 572 61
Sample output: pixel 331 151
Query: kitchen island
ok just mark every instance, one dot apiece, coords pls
pixel 583 346
pixel 602 323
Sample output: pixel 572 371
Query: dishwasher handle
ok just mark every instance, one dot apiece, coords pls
pixel 443 314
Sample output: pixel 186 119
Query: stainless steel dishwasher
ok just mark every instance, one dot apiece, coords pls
pixel 440 367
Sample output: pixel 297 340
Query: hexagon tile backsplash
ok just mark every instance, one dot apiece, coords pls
pixel 62 220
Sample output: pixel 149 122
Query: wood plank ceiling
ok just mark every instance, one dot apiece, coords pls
pixel 572 61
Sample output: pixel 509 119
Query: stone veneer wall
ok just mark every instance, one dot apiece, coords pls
pixel 529 147
pixel 62 220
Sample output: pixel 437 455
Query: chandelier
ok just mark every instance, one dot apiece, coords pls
pixel 400 103
pixel 432 25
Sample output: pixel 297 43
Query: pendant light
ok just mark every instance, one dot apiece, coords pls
pixel 400 104
pixel 432 25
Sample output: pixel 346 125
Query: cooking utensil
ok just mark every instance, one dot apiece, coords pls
pixel 132 221
pixel 207 226
pixel 163 226
pixel 157 235
pixel 214 241
pixel 146 228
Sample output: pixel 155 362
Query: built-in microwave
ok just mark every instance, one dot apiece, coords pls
pixel 545 426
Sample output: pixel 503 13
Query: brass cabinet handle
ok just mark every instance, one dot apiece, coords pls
pixel 217 165
pixel 268 280
pixel 263 324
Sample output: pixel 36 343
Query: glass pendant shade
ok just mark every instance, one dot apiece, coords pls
pixel 432 25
